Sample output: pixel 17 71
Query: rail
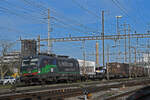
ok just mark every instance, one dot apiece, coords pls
pixel 66 92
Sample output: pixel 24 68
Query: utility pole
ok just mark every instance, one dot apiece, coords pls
pixel 125 44
pixel 39 44
pixel 49 42
pixel 129 50
pixel 134 54
pixel 107 67
pixel 97 54
pixel 137 43
pixel 139 56
pixel 83 47
pixel 148 58
pixel 148 26
pixel 103 38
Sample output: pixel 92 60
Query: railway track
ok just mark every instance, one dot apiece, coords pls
pixel 18 88
pixel 122 96
pixel 135 93
pixel 66 91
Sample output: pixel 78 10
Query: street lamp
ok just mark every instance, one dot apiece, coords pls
pixel 118 32
pixel 119 16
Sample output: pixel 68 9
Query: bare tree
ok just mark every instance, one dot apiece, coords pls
pixel 4 65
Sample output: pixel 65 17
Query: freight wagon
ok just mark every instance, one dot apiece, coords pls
pixel 118 70
pixel 138 71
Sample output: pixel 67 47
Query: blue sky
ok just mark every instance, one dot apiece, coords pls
pixel 27 18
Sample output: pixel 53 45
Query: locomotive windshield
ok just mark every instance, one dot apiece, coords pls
pixel 34 61
pixel 25 62
pixel 29 65
pixel 29 62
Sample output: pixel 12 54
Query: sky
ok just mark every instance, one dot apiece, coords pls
pixel 28 19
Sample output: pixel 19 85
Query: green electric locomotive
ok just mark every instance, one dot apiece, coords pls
pixel 49 68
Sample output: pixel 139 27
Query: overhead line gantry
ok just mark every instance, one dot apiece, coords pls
pixel 108 37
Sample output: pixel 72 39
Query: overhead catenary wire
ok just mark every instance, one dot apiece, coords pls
pixel 127 12
pixel 74 22
pixel 11 11
pixel 85 9
pixel 19 12
pixel 33 4
pixel 120 7
pixel 18 32
pixel 124 11
pixel 141 17
pixel 23 16
pixel 24 8
pixel 76 29
pixel 64 18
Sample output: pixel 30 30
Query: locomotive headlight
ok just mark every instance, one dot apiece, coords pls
pixel 52 70
pixel 39 71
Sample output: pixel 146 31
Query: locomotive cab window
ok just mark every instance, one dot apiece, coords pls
pixel 47 61
pixel 66 65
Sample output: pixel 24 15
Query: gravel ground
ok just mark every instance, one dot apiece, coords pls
pixel 104 94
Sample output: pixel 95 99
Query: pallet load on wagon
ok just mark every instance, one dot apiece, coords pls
pixel 88 69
